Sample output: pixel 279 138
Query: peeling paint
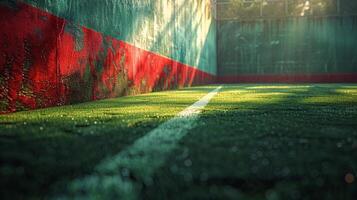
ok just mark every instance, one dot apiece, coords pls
pixel 49 61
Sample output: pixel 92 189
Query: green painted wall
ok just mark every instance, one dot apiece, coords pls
pixel 298 45
pixel 183 30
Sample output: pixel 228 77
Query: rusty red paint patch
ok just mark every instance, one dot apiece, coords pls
pixel 294 78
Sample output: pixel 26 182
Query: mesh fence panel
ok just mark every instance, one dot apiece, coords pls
pixel 253 9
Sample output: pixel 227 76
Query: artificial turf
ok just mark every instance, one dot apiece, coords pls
pixel 272 141
pixel 268 142
pixel 42 150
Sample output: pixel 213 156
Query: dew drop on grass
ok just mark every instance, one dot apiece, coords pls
pixel 349 178
pixel 188 177
pixel 286 171
pixel 272 195
pixel 253 156
pixel 339 145
pixel 174 169
pixel 349 139
pixel 188 163
pixel 265 162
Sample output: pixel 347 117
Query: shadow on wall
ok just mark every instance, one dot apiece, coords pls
pixel 49 61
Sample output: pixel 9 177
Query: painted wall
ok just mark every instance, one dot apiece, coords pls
pixel 61 52
pixel 296 49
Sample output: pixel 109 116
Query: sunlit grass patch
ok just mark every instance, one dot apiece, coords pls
pixel 268 142
pixel 279 86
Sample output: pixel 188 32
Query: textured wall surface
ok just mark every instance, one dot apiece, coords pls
pixel 301 49
pixel 62 52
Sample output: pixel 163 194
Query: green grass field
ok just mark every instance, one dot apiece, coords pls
pixel 269 142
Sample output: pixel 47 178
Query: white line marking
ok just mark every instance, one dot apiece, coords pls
pixel 114 177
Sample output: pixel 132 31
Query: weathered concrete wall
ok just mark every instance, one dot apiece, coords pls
pixel 298 49
pixel 61 52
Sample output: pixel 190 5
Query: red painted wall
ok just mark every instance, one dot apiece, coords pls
pixel 43 64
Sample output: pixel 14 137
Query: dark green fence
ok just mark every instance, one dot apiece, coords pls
pixel 253 9
pixel 286 42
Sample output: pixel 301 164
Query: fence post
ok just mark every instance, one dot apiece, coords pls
pixel 338 7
